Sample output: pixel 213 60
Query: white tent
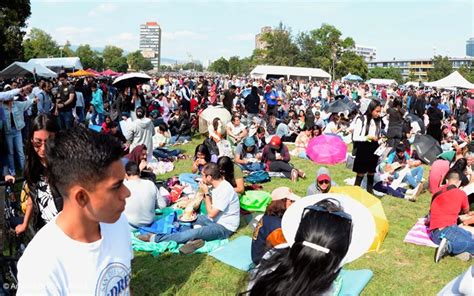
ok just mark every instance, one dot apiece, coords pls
pixel 56 64
pixel 412 83
pixel 266 72
pixel 21 69
pixel 379 81
pixel 452 80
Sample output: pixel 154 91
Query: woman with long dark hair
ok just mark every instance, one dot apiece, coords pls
pixel 435 117
pixel 231 173
pixel 395 122
pixel 366 135
pixel 43 204
pixel 323 232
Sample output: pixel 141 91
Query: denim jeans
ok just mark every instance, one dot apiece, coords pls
pixel 165 153
pixel 208 231
pixel 381 187
pixel 252 167
pixel 80 114
pixel 94 118
pixel 175 139
pixel 459 240
pixel 470 119
pixel 414 177
pixel 15 146
pixel 66 119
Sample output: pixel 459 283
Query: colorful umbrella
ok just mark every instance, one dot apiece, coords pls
pixel 327 149
pixel 109 72
pixel 375 207
pixel 80 73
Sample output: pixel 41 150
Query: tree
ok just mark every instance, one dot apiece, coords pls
pixel 386 73
pixel 165 68
pixel 67 51
pixel 220 66
pixel 40 44
pixel 442 67
pixel 137 62
pixel 13 15
pixel 234 65
pixel 89 58
pixel 114 59
pixel 467 72
pixel 352 63
pixel 280 49
pixel 192 66
pixel 412 77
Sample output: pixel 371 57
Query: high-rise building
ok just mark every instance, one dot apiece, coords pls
pixel 150 42
pixel 369 53
pixel 470 47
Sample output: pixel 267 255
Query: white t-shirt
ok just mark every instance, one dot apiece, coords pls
pixel 236 130
pixel 144 199
pixel 330 128
pixel 55 264
pixel 225 199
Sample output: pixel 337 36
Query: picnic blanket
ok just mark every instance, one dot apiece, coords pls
pixel 166 225
pixel 354 281
pixel 236 253
pixel 171 246
pixel 419 235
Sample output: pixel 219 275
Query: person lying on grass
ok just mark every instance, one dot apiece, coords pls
pixel 223 214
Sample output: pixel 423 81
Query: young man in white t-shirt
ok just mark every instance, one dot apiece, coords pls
pixel 223 214
pixel 86 249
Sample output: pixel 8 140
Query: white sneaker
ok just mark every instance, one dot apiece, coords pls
pixel 442 250
pixel 410 197
pixel 410 192
pixel 465 256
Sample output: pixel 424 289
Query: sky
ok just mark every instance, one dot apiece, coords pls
pixel 206 30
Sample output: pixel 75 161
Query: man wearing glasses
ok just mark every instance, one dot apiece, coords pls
pixel 65 102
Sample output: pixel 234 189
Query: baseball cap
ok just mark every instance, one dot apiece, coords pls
pixel 249 141
pixel 275 142
pixel 284 192
pixel 363 223
pixel 324 177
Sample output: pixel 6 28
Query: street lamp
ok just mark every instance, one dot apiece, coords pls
pixel 61 50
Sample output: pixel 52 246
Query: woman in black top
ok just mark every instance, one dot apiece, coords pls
pixel 395 122
pixel 435 116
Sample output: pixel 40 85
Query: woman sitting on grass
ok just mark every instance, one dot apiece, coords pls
pixel 202 156
pixel 232 173
pixel 302 142
pixel 276 157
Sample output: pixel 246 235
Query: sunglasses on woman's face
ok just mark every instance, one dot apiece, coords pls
pixel 323 182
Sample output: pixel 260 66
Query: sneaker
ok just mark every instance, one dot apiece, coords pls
pixel 409 192
pixel 191 246
pixel 465 256
pixel 410 197
pixel 442 250
pixel 144 237
pixel 294 175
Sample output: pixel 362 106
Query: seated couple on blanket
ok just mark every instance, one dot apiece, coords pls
pixel 222 219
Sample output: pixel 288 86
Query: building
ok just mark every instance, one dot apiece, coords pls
pixel 419 67
pixel 259 43
pixel 150 43
pixel 470 47
pixel 369 53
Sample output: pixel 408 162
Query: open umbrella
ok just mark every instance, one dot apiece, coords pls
pixel 81 73
pixel 207 116
pixel 327 149
pixel 131 79
pixel 427 148
pixel 352 77
pixel 414 118
pixel 92 71
pixel 337 106
pixel 109 72
pixel 375 207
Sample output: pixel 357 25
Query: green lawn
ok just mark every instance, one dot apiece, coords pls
pixel 399 268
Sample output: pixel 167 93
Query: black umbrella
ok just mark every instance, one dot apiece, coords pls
pixel 350 103
pixel 414 118
pixel 130 79
pixel 427 148
pixel 338 106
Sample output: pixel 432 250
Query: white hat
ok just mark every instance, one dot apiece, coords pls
pixel 363 223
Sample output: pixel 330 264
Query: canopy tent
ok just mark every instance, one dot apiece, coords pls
pixel 92 71
pixel 412 83
pixel 452 80
pixel 56 64
pixel 379 81
pixel 267 72
pixel 22 68
pixel 352 77
pixel 109 72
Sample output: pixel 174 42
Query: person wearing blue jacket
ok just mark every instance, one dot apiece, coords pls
pixel 98 105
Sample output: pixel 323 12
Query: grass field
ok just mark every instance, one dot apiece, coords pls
pixel 399 268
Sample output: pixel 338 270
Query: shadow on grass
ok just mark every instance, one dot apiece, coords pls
pixel 164 274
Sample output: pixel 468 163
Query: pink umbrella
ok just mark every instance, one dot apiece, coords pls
pixel 109 72
pixel 92 71
pixel 327 149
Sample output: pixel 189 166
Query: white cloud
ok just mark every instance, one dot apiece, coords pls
pixel 242 37
pixel 184 35
pixel 75 35
pixel 126 40
pixel 102 8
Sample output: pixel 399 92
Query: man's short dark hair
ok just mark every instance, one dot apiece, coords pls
pixel 80 156
pixel 212 169
pixel 131 168
pixel 233 87
pixel 62 75
pixel 453 175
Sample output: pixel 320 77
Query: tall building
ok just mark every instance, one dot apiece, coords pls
pixel 470 47
pixel 150 43
pixel 369 53
pixel 419 67
pixel 259 43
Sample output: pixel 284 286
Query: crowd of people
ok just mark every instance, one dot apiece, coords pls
pixel 85 190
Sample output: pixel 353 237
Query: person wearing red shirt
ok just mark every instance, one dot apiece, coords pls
pixel 445 208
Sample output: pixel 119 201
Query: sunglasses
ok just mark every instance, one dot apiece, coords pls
pixel 323 182
pixel 38 143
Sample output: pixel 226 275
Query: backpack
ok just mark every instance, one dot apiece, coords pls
pixel 258 177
